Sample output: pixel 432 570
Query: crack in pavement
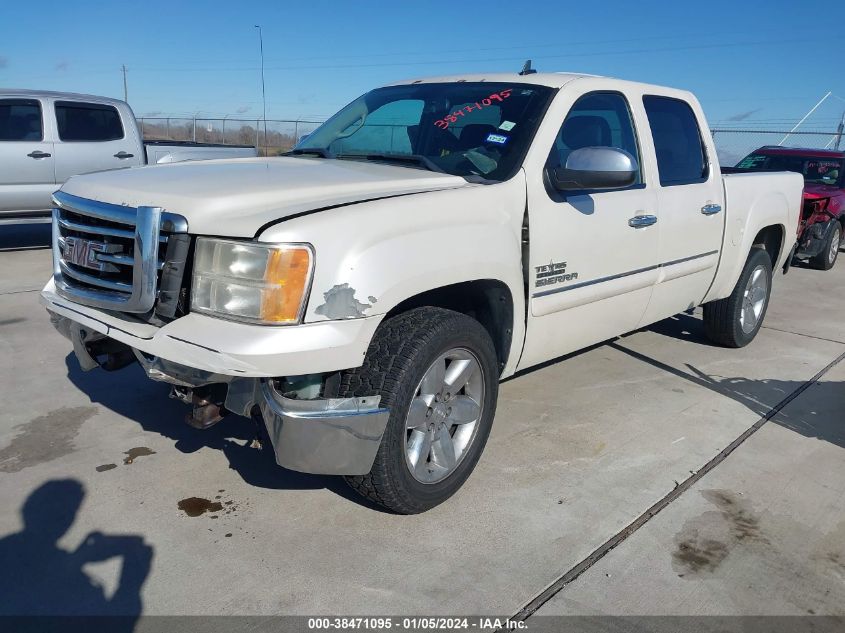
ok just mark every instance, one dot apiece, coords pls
pixel 819 338
pixel 19 292
pixel 617 539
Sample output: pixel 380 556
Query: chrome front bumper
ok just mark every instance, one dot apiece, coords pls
pixel 327 436
pixel 334 436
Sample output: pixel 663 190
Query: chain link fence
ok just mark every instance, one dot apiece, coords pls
pixel 733 145
pixel 281 135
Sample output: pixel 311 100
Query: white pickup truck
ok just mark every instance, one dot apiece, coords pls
pixel 47 137
pixel 363 296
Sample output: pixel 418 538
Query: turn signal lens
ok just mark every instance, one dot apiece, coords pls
pixel 287 271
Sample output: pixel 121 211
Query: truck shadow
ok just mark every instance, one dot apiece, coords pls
pixel 769 398
pixel 40 578
pixel 684 327
pixel 130 394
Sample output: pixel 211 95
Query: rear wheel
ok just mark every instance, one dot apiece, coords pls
pixel 735 320
pixel 436 371
pixel 827 258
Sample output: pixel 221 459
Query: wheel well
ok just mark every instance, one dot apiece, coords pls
pixel 771 240
pixel 488 301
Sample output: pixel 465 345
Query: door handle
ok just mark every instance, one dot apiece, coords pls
pixel 711 209
pixel 642 221
pixel 39 154
pixel 121 155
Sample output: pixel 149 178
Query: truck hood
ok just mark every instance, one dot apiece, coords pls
pixel 236 197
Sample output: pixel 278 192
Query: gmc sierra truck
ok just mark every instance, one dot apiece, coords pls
pixel 363 296
pixel 47 137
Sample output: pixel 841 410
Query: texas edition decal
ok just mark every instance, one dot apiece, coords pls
pixel 553 273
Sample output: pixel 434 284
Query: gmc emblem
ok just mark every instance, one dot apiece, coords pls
pixel 84 252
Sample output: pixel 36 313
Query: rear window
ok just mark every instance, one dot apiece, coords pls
pixel 815 169
pixel 681 159
pixel 20 120
pixel 88 121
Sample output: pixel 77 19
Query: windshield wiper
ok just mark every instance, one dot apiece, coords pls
pixel 316 151
pixel 417 159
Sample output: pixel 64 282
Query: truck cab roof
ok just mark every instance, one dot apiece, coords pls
pixel 23 93
pixel 778 150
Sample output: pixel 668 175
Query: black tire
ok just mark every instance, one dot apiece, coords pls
pixel 401 351
pixel 722 318
pixel 827 258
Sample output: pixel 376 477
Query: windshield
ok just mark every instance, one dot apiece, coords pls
pixel 463 128
pixel 823 171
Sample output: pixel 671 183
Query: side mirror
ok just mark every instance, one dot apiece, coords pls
pixel 595 168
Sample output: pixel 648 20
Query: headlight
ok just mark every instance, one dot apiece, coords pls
pixel 250 281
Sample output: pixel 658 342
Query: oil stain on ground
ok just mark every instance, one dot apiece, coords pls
pixel 196 506
pixel 134 453
pixel 103 468
pixel 44 438
pixel 705 541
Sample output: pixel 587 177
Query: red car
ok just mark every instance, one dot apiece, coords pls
pixel 822 224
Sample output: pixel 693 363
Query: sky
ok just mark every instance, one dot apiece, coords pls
pixel 753 64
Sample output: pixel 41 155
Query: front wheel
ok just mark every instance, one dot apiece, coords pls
pixel 827 258
pixel 436 372
pixel 735 320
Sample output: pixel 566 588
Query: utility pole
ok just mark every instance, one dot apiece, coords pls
pixel 125 94
pixel 263 95
pixel 839 131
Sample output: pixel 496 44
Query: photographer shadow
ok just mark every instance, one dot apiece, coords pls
pixel 40 578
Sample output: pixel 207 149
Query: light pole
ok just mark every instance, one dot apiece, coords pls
pixel 263 95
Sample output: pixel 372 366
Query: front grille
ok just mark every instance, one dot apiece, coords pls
pixel 111 256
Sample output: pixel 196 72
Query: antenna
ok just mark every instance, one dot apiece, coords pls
pixel 526 68
pixel 806 116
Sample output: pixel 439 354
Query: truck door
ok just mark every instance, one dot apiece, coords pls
pixel 592 255
pixel 690 198
pixel 92 137
pixel 27 176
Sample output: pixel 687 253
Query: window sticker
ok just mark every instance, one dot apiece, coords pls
pixel 749 162
pixel 499 139
pixel 507 126
pixel 496 97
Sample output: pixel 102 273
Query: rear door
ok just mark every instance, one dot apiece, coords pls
pixel 92 137
pixel 690 199
pixel 27 176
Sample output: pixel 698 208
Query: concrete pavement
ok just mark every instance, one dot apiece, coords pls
pixel 580 448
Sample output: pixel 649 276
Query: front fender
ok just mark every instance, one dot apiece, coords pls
pixel 372 256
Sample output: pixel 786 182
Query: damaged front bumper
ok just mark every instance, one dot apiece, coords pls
pixel 814 239
pixel 329 436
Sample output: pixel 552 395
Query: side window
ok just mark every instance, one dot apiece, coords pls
pixel 598 119
pixel 88 121
pixel 20 120
pixel 681 158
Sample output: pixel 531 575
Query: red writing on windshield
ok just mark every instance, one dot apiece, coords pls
pixel 496 97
